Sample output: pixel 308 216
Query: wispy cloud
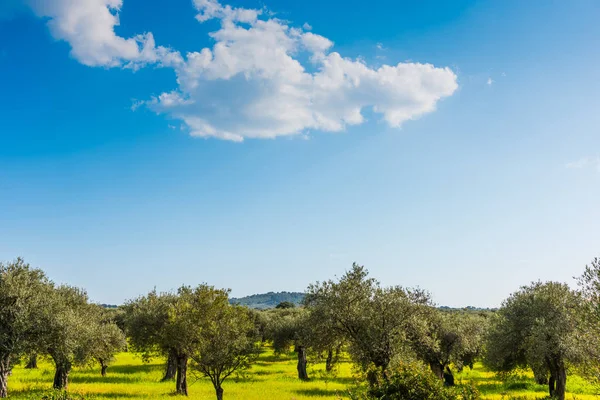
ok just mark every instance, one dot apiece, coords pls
pixel 585 162
pixel 490 82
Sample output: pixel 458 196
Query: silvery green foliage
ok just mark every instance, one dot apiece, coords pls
pixel 23 295
pixel 373 320
pixel 541 326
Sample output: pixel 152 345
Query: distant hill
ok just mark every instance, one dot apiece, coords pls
pixel 268 300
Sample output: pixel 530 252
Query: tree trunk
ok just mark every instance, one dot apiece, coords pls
pixel 171 368
pixel 61 376
pixel 219 393
pixel 4 372
pixel 448 377
pixel 561 382
pixel 32 361
pixel 302 374
pixel 103 368
pixel 437 369
pixel 329 361
pixel 551 384
pixel 181 378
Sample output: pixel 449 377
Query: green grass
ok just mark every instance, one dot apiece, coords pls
pixel 270 378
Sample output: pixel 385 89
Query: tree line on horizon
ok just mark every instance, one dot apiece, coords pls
pixel 404 346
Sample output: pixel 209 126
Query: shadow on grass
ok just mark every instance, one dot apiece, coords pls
pixel 317 392
pixel 37 394
pixel 273 359
pixel 132 369
pixel 114 379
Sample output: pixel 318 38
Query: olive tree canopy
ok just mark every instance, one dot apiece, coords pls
pixel 23 295
pixel 373 320
pixel 540 326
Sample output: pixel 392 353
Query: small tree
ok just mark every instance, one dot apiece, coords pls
pixel 540 327
pixel 373 320
pixel 71 323
pixel 23 293
pixel 288 327
pixel 106 340
pixel 158 325
pixel 285 304
pixel 589 284
pixel 321 337
pixel 444 338
pixel 228 340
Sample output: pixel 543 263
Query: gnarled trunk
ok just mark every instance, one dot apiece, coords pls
pixel 181 378
pixel 437 369
pixel 551 385
pixel 103 367
pixel 448 377
pixel 61 376
pixel 171 368
pixel 561 382
pixel 32 361
pixel 302 374
pixel 4 373
pixel 219 391
pixel 557 384
pixel 329 361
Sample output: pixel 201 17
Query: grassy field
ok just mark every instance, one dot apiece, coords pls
pixel 270 378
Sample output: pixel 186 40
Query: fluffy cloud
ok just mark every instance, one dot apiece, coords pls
pixel 253 84
pixel 262 78
pixel 88 26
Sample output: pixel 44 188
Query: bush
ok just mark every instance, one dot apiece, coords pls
pixel 412 381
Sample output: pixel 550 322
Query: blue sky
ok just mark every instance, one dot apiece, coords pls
pixel 453 146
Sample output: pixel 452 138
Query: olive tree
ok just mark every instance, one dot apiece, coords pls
pixel 106 340
pixel 321 337
pixel 589 285
pixel 540 327
pixel 444 338
pixel 372 319
pixel 227 340
pixel 157 325
pixel 23 294
pixel 288 327
pixel 71 324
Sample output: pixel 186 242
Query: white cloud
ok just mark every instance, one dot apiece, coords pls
pixel 490 82
pixel 252 83
pixel 262 78
pixel 585 162
pixel 307 26
pixel 88 26
pixel 379 46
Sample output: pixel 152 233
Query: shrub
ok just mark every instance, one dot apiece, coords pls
pixel 412 381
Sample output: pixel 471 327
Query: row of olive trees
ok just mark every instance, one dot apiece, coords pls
pixel 545 326
pixel 377 326
pixel 39 317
